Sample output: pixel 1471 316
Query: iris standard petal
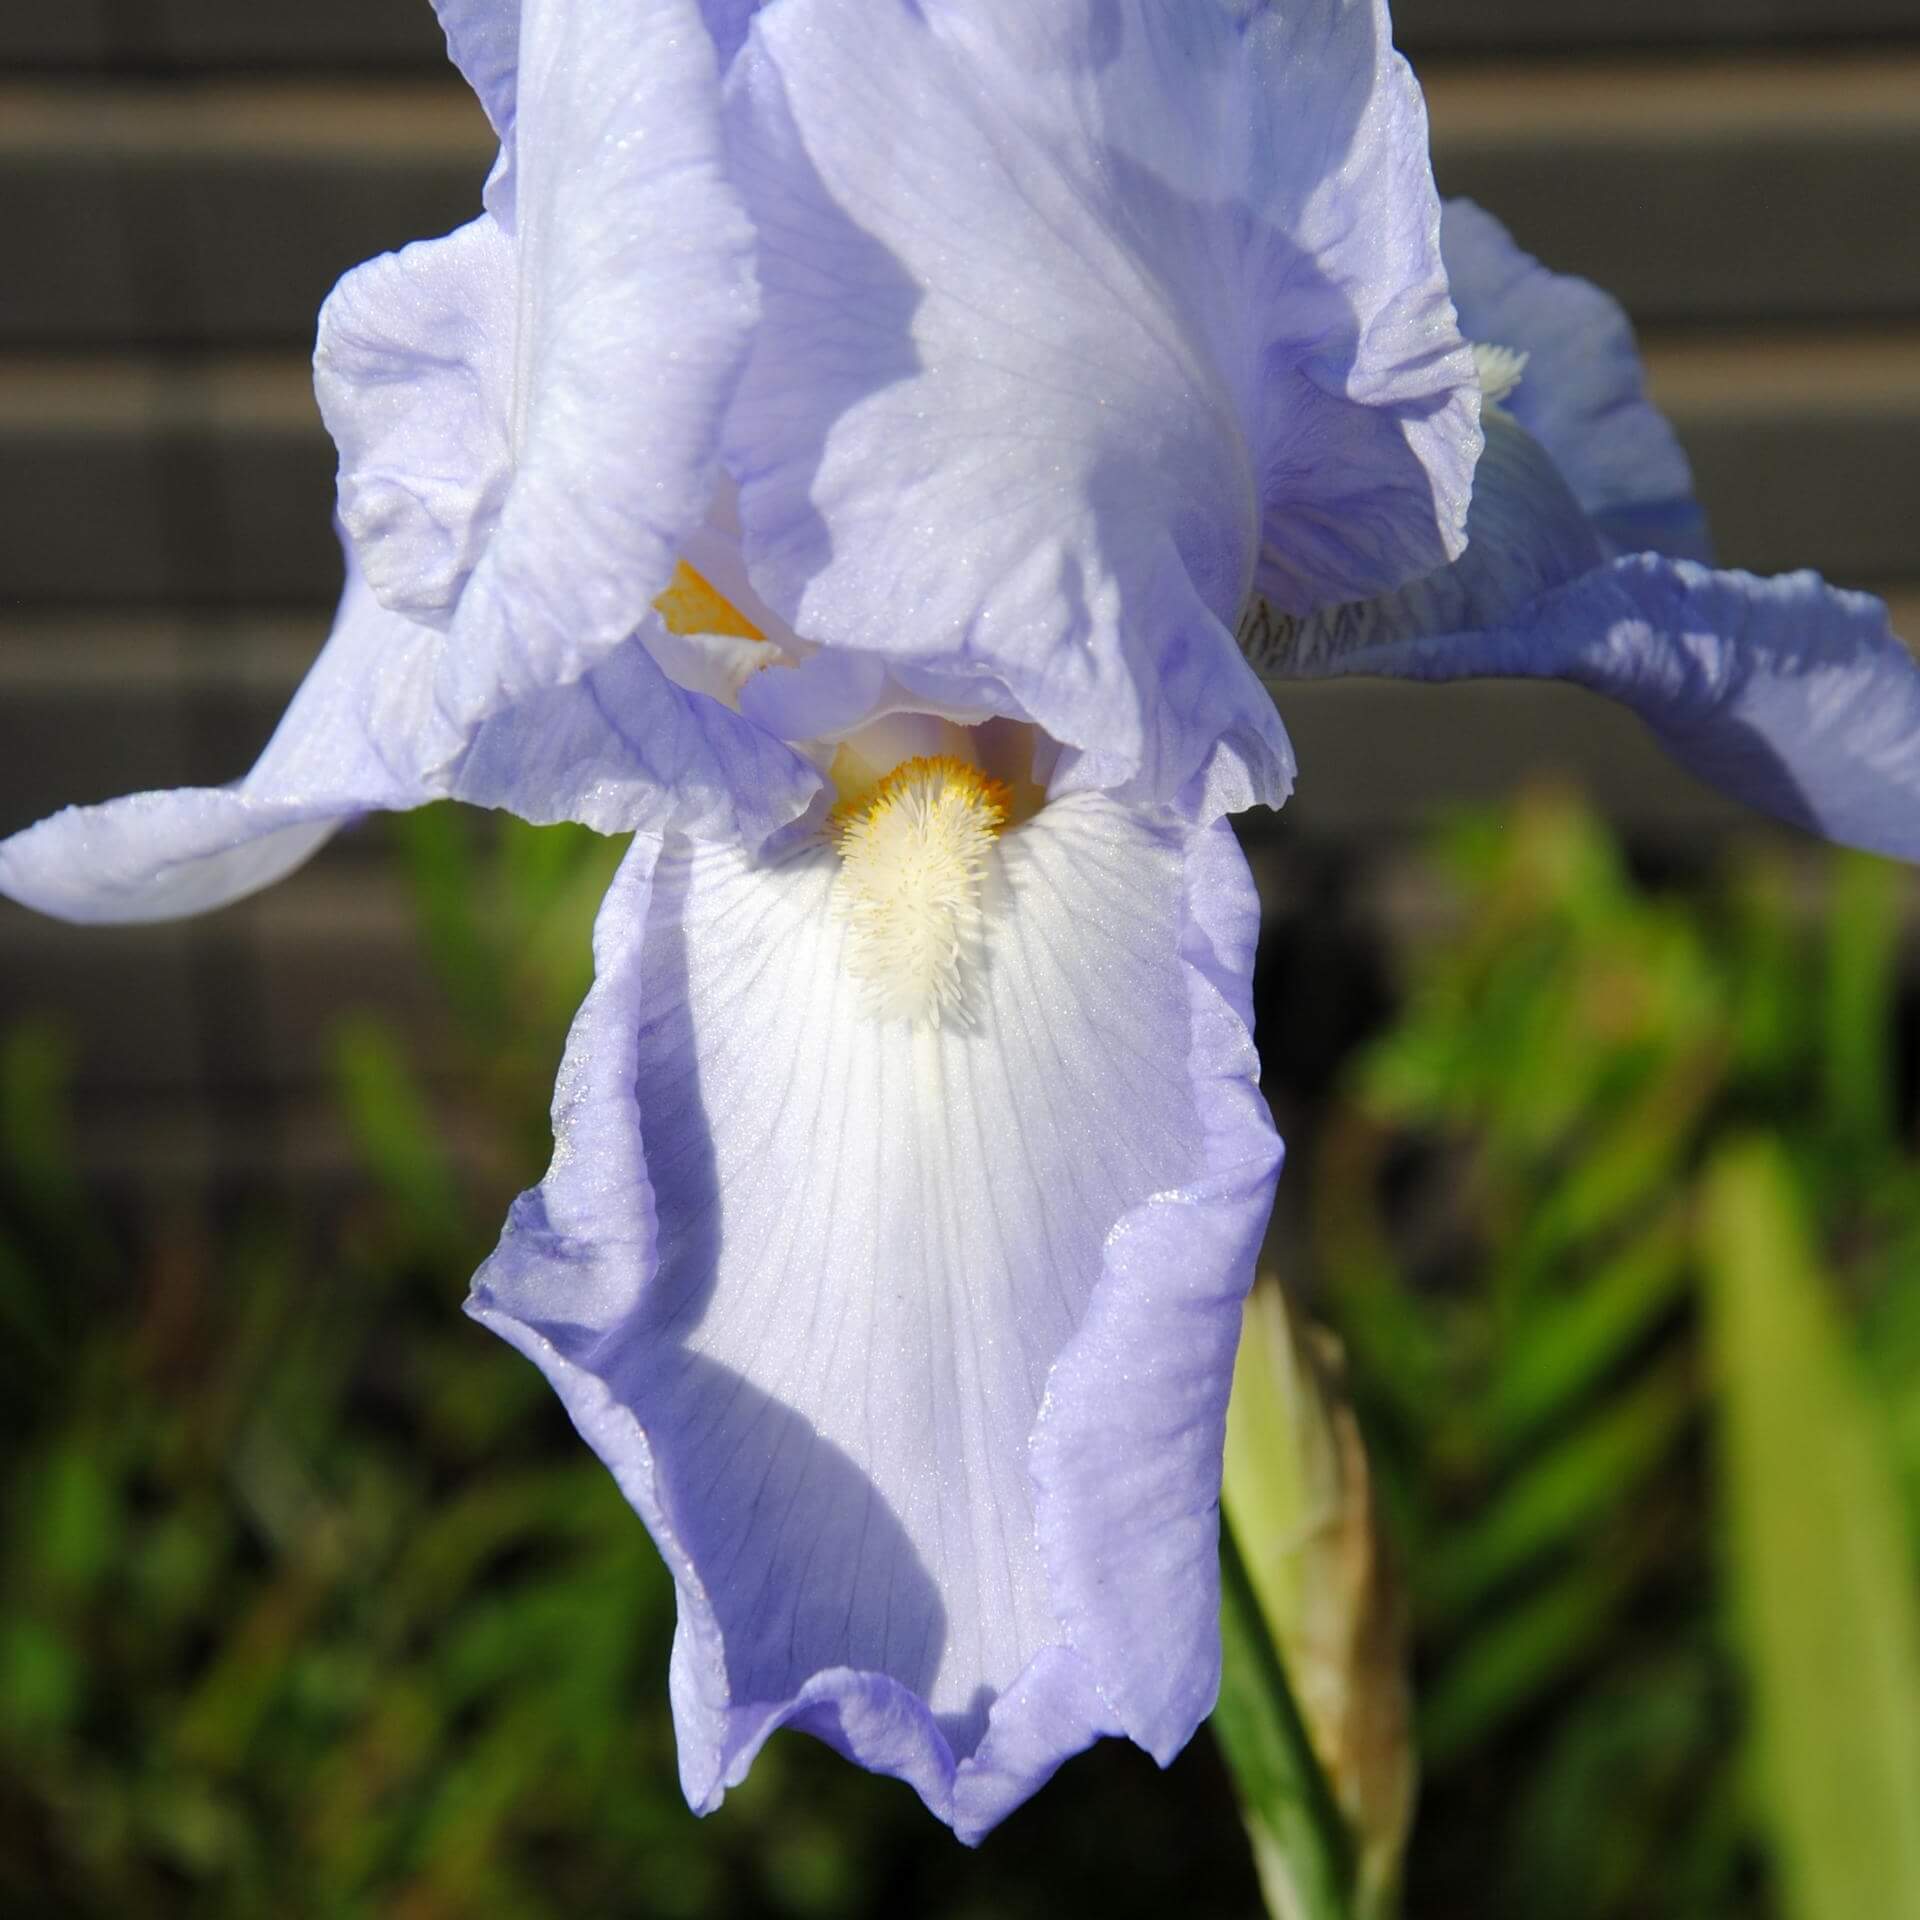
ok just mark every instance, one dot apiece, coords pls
pixel 483 41
pixel 844 1304
pixel 1148 289
pixel 414 376
pixel 728 21
pixel 528 412
pixel 1786 694
pixel 1583 393
pixel 626 750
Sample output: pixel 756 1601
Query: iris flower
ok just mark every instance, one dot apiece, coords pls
pixel 843 455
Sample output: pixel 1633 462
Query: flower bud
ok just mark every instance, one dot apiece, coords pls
pixel 1299 1499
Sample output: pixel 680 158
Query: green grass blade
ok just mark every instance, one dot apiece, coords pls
pixel 446 876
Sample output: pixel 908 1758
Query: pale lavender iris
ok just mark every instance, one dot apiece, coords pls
pixel 942 385
pixel 911 1341
pixel 905 1191
pixel 1586 562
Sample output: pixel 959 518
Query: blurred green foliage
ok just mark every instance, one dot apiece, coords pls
pixel 311 1603
pixel 1509 1234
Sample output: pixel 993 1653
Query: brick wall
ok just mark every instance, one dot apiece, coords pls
pixel 181 180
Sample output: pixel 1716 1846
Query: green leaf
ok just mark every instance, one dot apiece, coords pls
pixel 43 1681
pixel 36 1125
pixel 79 1515
pixel 554 879
pixel 1766 990
pixel 1637 1153
pixel 1641 1746
pixel 1823 1568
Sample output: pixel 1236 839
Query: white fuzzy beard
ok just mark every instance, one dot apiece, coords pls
pixel 913 859
pixel 1499 369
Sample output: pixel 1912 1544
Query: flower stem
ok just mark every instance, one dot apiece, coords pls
pixel 1300 1844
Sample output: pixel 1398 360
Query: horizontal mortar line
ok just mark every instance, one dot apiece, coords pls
pixel 121 392
pixel 1794 372
pixel 1788 372
pixel 71 652
pixel 1674 99
pixel 139 1140
pixel 368 122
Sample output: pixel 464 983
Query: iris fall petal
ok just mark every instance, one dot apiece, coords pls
pixel 848 1307
pixel 621 749
pixel 1786 694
